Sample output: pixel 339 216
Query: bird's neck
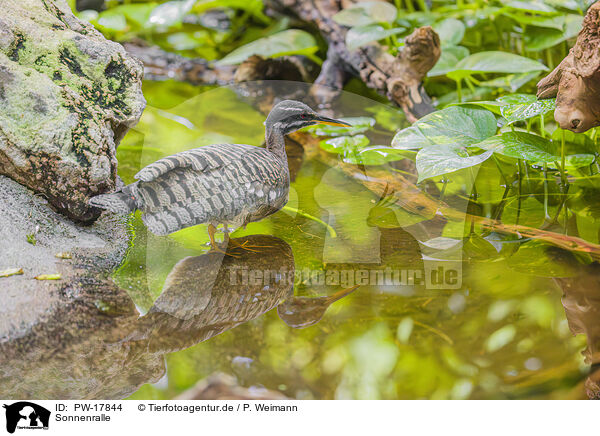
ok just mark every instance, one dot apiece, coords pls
pixel 275 140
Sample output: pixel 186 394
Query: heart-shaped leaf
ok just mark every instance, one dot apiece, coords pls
pixel 292 41
pixel 494 62
pixel 361 35
pixel 364 13
pixel 456 125
pixel 521 145
pixel 438 160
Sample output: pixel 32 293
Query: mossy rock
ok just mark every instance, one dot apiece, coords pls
pixel 67 97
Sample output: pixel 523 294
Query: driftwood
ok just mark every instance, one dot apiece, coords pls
pixel 162 65
pixel 397 77
pixel 575 82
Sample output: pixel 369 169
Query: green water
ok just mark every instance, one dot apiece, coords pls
pixel 496 328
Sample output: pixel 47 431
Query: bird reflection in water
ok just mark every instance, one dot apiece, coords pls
pixel 206 295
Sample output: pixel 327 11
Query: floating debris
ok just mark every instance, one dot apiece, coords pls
pixel 64 255
pixel 31 238
pixel 48 277
pixel 11 272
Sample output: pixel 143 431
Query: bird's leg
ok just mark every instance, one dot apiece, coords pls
pixel 213 243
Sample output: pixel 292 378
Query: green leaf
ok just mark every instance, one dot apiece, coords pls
pixel 521 145
pixel 449 57
pixel 353 151
pixel 537 39
pixel 494 62
pixel 343 144
pixel 136 14
pixel 523 111
pixel 510 81
pixel 574 142
pixel 359 125
pixel 492 106
pixel 170 13
pixel 575 161
pixel 531 7
pixel 517 99
pixel 456 125
pixel 255 7
pixel 387 117
pixel 371 156
pixel 436 161
pixel 557 22
pixel 364 13
pixel 451 31
pixel 292 41
pixel 361 35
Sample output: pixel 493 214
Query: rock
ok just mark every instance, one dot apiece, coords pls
pixel 53 327
pixel 25 220
pixel 67 97
pixel 575 82
pixel 86 340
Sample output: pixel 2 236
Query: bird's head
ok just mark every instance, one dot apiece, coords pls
pixel 289 115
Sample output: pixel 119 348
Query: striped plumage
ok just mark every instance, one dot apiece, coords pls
pixel 221 183
pixel 228 184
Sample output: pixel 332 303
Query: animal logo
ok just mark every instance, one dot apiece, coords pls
pixel 24 414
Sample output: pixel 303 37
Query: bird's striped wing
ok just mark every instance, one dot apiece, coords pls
pixel 242 181
pixel 199 159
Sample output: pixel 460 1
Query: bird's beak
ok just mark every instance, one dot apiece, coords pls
pixel 331 121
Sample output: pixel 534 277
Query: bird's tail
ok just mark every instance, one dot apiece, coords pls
pixel 122 201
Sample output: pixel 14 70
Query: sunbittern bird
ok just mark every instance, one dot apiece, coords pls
pixel 230 184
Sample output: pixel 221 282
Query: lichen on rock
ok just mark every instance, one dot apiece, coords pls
pixel 67 98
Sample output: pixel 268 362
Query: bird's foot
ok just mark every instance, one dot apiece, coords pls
pixel 246 246
pixel 216 248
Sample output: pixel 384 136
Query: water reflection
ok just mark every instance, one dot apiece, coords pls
pixel 581 300
pixel 112 351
